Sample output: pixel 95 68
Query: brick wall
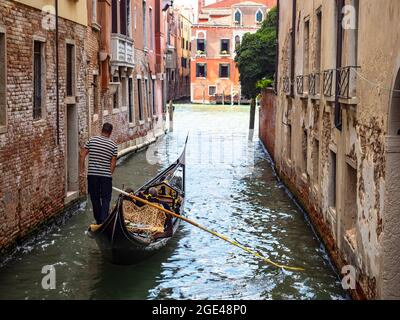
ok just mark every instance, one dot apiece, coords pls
pixel 32 165
pixel 267 120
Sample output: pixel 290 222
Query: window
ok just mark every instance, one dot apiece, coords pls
pixel 225 46
pixel 350 34
pixel 304 144
pixel 144 24
pixel 184 62
pixel 3 80
pixel 153 92
pixel 146 88
pixel 259 16
pixel 124 92
pixel 187 45
pixel 306 48
pixel 135 18
pixel 224 70
pixel 129 19
pixel 130 100
pixel 201 70
pixel 238 17
pixel 183 43
pixel 94 11
pixel 201 45
pixel 237 42
pixel 289 142
pixel 332 180
pixel 151 29
pixel 116 95
pixel 114 18
pixel 122 16
pixel 38 78
pixel 95 94
pixel 139 84
pixel 319 42
pixel 70 70
pixel 212 90
pixel 350 216
pixel 315 160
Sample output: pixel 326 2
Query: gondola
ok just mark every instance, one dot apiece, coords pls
pixel 122 245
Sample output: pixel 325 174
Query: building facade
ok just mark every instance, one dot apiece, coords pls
pixel 40 130
pixel 183 54
pixel 220 28
pixel 337 131
pixel 63 76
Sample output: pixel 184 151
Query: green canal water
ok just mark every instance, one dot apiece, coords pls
pixel 230 188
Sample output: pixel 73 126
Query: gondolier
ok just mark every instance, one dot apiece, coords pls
pixel 103 154
pixel 137 228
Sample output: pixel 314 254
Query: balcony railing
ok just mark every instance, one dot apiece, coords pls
pixel 122 50
pixel 300 85
pixel 329 89
pixel 347 77
pixel 201 53
pixel 286 85
pixel 314 83
pixel 170 62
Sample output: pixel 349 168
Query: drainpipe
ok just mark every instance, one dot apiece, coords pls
pixel 292 71
pixel 57 79
pixel 338 111
pixel 277 51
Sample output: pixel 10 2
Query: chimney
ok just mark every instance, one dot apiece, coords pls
pixel 201 4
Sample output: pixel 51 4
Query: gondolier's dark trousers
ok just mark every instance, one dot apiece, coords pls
pixel 100 189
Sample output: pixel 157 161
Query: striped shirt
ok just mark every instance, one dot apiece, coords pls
pixel 101 151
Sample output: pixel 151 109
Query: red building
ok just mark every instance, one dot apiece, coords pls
pixel 220 28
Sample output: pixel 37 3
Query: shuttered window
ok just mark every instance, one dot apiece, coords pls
pixel 201 70
pixel 37 79
pixel 3 81
pixel 224 70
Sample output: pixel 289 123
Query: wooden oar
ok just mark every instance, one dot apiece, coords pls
pixel 209 231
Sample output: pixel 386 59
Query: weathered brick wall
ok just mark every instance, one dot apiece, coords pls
pixel 267 120
pixel 32 165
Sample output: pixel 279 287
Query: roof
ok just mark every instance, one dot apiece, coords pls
pixel 230 3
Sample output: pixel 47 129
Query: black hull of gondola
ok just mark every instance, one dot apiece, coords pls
pixel 121 247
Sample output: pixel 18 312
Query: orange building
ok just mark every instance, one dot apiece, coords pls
pixel 220 28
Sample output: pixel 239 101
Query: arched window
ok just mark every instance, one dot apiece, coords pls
pixel 259 16
pixel 237 42
pixel 238 17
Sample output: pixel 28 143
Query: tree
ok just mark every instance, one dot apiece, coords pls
pixel 255 59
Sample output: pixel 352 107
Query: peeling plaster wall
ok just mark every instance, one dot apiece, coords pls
pixel 360 233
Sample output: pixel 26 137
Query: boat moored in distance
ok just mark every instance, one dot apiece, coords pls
pixel 128 236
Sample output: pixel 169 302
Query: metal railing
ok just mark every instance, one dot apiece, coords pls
pixel 286 85
pixel 300 85
pixel 347 82
pixel 314 83
pixel 329 90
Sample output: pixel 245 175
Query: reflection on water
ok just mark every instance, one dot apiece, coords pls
pixel 230 188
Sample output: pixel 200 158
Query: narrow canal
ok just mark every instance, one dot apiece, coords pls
pixel 232 189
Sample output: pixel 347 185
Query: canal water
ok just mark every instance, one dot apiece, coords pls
pixel 231 189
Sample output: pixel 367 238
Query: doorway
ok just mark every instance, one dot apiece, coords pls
pixel 72 156
pixel 391 216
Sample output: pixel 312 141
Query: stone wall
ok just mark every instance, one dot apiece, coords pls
pixel 341 174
